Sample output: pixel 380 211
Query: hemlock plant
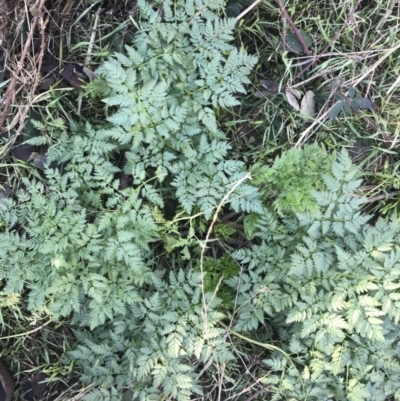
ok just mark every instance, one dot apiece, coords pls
pixel 325 283
pixel 79 244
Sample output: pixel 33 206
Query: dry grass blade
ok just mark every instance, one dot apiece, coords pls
pixel 332 41
pixel 247 10
pixel 374 66
pixel 7 98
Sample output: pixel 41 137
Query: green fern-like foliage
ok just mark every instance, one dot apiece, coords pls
pixel 161 97
pixel 291 180
pixel 327 283
pixel 79 244
pixel 318 281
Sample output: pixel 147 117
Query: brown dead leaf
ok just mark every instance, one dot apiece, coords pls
pixel 308 105
pixel 292 95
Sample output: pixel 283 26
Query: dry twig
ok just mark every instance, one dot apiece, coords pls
pixel 294 28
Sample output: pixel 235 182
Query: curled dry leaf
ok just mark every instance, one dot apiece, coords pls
pixel 292 95
pixel 308 105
